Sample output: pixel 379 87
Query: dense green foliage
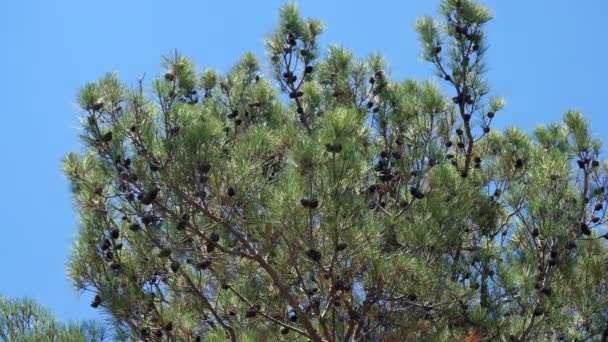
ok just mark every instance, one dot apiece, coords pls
pixel 329 202
pixel 23 320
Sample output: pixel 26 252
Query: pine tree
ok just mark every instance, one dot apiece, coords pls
pixel 24 320
pixel 329 202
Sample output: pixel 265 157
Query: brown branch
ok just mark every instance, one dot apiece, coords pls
pixel 229 330
pixel 257 257
pixel 241 297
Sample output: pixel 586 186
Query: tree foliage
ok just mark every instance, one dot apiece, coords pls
pixel 24 320
pixel 328 202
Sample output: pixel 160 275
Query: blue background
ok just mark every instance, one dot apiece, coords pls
pixel 545 57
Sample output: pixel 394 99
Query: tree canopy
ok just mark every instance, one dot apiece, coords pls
pixel 25 320
pixel 316 198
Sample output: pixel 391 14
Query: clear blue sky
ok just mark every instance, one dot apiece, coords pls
pixel 545 57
